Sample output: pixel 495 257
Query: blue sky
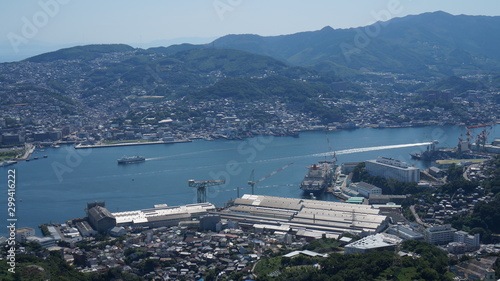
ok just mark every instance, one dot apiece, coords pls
pixel 31 26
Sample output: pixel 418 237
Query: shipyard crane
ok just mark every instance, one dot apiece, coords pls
pixel 481 137
pixel 201 187
pixel 330 149
pixel 252 182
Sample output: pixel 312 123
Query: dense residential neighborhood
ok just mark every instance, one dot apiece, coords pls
pixel 52 101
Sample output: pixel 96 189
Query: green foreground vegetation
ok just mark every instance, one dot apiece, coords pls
pixel 5 155
pixel 430 263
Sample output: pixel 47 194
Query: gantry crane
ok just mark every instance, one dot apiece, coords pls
pixel 252 182
pixel 481 137
pixel 202 188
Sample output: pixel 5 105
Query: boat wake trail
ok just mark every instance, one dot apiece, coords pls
pixel 324 154
pixel 373 148
pixel 348 151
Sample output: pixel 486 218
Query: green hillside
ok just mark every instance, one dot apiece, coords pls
pixel 422 45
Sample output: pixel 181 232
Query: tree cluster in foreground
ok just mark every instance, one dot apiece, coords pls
pixel 431 264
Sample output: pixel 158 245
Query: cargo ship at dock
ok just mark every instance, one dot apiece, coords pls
pixel 132 159
pixel 319 176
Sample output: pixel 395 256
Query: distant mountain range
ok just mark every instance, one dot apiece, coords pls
pixel 427 45
pixel 422 45
pixel 310 71
pixel 434 46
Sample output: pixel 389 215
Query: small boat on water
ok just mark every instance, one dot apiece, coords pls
pixel 131 159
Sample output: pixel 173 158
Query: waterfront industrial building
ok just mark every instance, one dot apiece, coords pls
pixel 27 234
pixel 348 167
pixel 101 219
pixel 162 215
pixel 84 228
pixel 389 168
pixel 366 189
pixel 303 217
pixel 23 233
pixel 46 241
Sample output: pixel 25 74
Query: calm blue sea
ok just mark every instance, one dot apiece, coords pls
pixel 57 188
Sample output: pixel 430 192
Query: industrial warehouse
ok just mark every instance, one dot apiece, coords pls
pixel 162 215
pixel 308 218
pixel 303 217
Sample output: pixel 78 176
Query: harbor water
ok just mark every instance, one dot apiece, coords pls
pixel 58 187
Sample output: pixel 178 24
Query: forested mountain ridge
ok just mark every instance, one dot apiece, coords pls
pixel 420 45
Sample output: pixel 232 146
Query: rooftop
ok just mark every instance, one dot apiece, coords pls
pixel 323 216
pixel 366 185
pixel 305 252
pixel 355 200
pixel 378 240
pixel 99 213
pixel 393 163
pixel 162 212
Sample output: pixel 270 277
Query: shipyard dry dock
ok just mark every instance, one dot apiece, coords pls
pixel 308 218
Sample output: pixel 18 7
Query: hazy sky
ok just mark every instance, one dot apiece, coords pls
pixel 28 26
